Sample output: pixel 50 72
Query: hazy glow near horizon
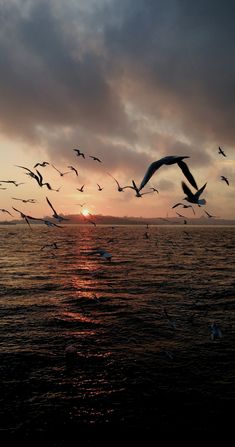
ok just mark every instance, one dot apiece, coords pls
pixel 96 81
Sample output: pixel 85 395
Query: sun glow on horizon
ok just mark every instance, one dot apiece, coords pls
pixel 85 212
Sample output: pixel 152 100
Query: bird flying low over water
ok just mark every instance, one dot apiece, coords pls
pixel 183 206
pixel 55 215
pixel 209 215
pixel 193 198
pixel 169 160
pixel 220 151
pixel 6 211
pixel 224 179
pixel 26 217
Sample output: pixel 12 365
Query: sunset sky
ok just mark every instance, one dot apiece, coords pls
pixel 128 81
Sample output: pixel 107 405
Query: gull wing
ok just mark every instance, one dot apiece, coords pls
pixel 184 168
pixel 177 204
pixel 49 203
pixel 150 171
pixel 199 192
pixel 187 191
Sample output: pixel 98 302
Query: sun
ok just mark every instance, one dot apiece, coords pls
pixel 85 212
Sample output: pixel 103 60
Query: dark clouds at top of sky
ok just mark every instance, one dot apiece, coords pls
pixel 66 65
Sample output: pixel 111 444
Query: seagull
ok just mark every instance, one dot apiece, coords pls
pixel 155 190
pixel 79 153
pixel 43 164
pixel 73 169
pixel 221 152
pixel 169 160
pixel 193 198
pixel 81 189
pixel 215 331
pixel 25 200
pixel 209 215
pixel 26 217
pixel 137 190
pixel 61 173
pixel 49 223
pixel 53 245
pixel 99 187
pixel 6 211
pixel 81 204
pixel 224 179
pixel 38 177
pixel 103 253
pixel 120 188
pixel 95 158
pixel 184 206
pixel 14 182
pixel 55 215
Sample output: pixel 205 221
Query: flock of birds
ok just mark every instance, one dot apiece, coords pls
pixel 191 197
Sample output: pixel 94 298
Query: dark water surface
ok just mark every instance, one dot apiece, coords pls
pixel 99 350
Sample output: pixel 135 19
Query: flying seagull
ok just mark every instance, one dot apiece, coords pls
pixel 79 153
pixel 38 177
pixel 184 206
pixel 13 182
pixel 169 160
pixel 137 190
pixel 193 198
pixel 73 169
pixel 55 215
pixel 25 200
pixel 6 211
pixel 99 187
pixel 209 215
pixel 120 188
pixel 220 151
pixel 81 189
pixel 95 158
pixel 61 173
pixel 224 179
pixel 26 217
pixel 43 164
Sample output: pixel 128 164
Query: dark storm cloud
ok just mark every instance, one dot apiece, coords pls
pixel 43 83
pixel 73 73
pixel 182 53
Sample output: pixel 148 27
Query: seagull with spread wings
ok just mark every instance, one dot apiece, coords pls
pixel 220 151
pixel 55 215
pixel 193 198
pixel 169 160
pixel 224 179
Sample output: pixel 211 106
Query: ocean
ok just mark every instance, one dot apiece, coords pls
pixel 97 350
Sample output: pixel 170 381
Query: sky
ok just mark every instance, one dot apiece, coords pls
pixel 127 81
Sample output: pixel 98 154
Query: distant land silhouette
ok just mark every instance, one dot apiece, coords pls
pixel 126 220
